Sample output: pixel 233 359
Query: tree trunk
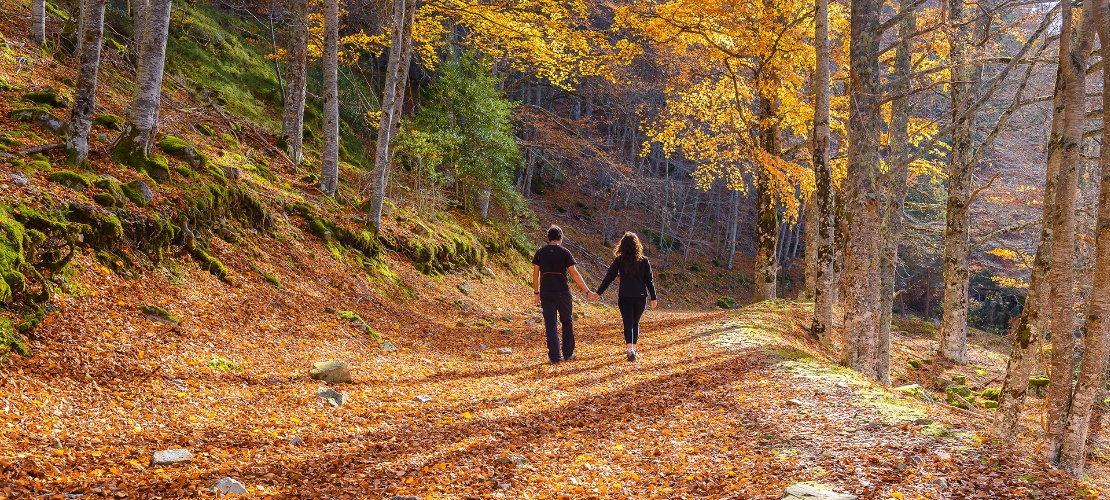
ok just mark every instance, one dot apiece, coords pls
pixel 296 65
pixel 526 189
pixel 390 107
pixel 1073 59
pixel 767 225
pixel 1096 352
pixel 896 186
pixel 484 195
pixel 84 95
pixel 823 212
pixel 809 236
pixel 953 329
pixel 1030 326
pixel 329 176
pixel 142 115
pixel 734 221
pixel 138 20
pixel 861 205
pixel 38 21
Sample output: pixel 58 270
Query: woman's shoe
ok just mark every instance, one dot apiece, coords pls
pixel 631 355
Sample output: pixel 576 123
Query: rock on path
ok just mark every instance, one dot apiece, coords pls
pixel 171 457
pixel 332 372
pixel 229 486
pixel 813 491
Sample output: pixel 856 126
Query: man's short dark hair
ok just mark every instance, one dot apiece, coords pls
pixel 555 233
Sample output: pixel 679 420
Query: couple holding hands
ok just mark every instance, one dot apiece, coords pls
pixel 553 264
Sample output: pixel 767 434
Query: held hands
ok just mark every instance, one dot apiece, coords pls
pixel 654 303
pixel 593 296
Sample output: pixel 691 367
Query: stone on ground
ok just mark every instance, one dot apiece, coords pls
pixel 514 460
pixel 332 372
pixel 171 457
pixel 331 396
pixel 296 441
pixel 388 347
pixel 504 350
pixel 423 398
pixel 229 486
pixel 813 491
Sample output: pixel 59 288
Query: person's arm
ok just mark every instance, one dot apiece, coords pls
pixel 649 280
pixel 536 281
pixel 609 277
pixel 578 279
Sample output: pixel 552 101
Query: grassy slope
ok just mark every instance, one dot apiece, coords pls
pixel 706 413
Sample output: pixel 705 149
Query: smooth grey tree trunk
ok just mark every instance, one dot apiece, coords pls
pixel 824 212
pixel 84 95
pixel 1029 330
pixel 1096 349
pixel 329 175
pixel 734 220
pixel 860 295
pixel 142 114
pixel 392 100
pixel 896 186
pixel 953 330
pixel 38 21
pixel 1073 59
pixel 296 66
pixel 809 237
pixel 139 9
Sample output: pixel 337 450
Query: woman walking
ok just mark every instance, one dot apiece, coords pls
pixel 551 265
pixel 637 285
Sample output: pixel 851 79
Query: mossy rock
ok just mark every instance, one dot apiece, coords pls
pixel 211 264
pixel 6 87
pixel 105 229
pixel 70 179
pixel 48 97
pixel 38 164
pixel 991 393
pixel 222 364
pixel 11 341
pixel 727 303
pixel 990 404
pixel 959 380
pixel 962 391
pixel 105 200
pixel 914 390
pixel 181 150
pixel 138 192
pixel 311 178
pixel 350 316
pixel 155 313
pixel 109 121
pixel 13 243
pixel 154 165
pixel 914 363
pixel 204 130
pixel 1037 382
pixel 41 116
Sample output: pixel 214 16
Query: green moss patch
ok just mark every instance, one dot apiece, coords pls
pixel 155 313
pixel 48 97
pixel 70 179
pixel 211 264
pixel 224 365
pixel 727 303
pixel 109 121
pixel 11 341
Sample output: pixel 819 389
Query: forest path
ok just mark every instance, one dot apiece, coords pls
pixel 719 405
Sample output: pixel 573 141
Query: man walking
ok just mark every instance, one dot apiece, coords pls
pixel 551 266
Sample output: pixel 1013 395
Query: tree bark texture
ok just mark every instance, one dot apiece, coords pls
pixel 767 223
pixel 329 175
pixel 142 115
pixel 896 186
pixel 84 95
pixel 823 219
pixel 1073 60
pixel 1030 326
pixel 860 297
pixel 953 329
pixel 392 99
pixel 296 66
pixel 1096 351
pixel 38 21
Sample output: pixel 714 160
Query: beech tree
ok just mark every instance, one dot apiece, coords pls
pixel 1073 64
pixel 38 21
pixel 1096 351
pixel 134 143
pixel 329 176
pixel 84 94
pixel 821 221
pixel 860 289
pixel 400 54
pixel 296 65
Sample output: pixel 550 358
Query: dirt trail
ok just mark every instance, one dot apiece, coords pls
pixel 720 405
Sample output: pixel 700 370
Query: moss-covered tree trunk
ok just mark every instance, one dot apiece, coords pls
pixel 400 53
pixel 38 21
pixel 861 205
pixel 953 329
pixel 329 175
pixel 1096 351
pixel 84 95
pixel 1073 58
pixel 1028 332
pixel 823 212
pixel 767 223
pixel 296 64
pixel 896 186
pixel 142 114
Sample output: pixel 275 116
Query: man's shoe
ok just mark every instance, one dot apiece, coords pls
pixel 631 355
pixel 570 358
